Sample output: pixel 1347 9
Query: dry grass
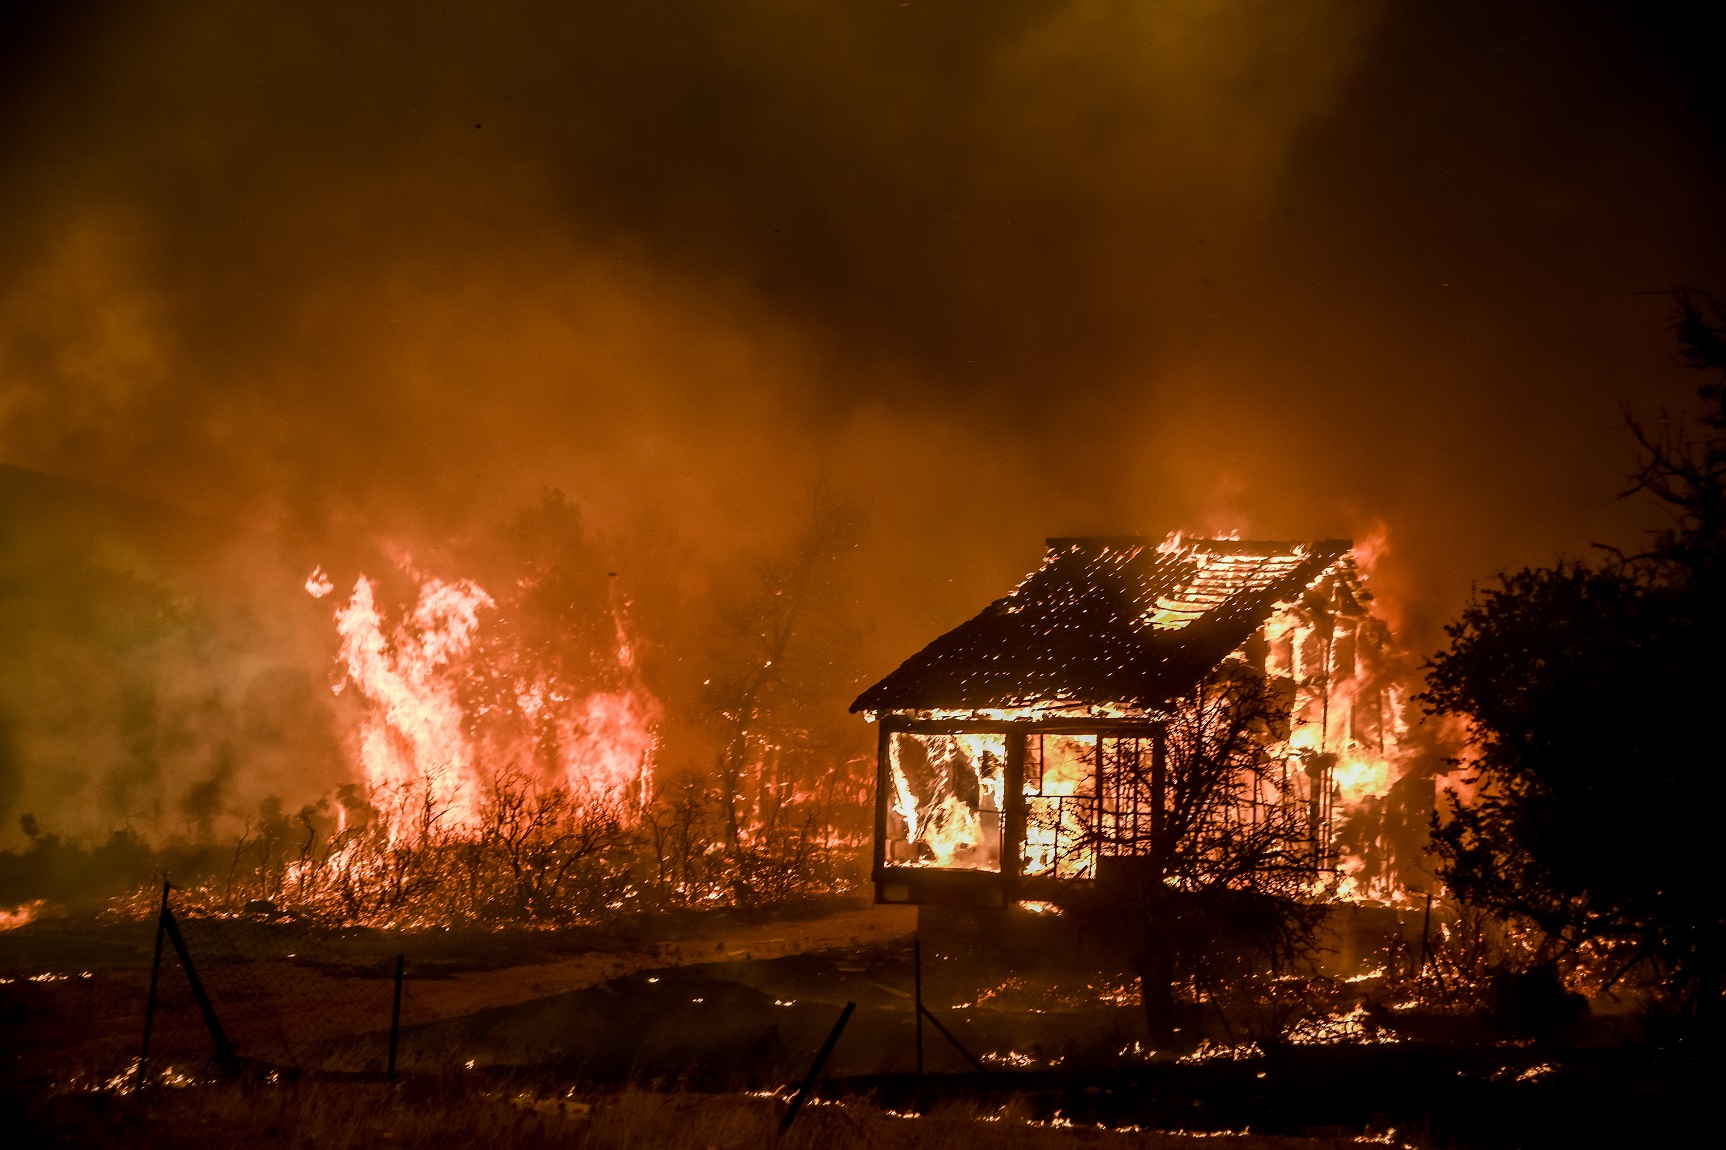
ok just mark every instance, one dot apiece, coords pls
pixel 452 1113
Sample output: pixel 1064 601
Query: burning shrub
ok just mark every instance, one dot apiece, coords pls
pixel 451 707
pixel 532 856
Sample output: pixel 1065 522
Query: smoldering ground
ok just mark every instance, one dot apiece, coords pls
pixel 338 276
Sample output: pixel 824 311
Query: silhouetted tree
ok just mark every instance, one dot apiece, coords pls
pixel 1222 865
pixel 1591 689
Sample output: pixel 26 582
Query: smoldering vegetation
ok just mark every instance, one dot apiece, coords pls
pixel 540 860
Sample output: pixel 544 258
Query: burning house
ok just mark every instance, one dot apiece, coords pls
pixel 1049 742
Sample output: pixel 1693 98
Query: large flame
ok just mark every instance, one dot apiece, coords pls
pixel 951 811
pixel 605 746
pixel 1347 724
pixel 419 754
pixel 413 740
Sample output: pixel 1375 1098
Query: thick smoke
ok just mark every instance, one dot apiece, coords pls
pixel 340 276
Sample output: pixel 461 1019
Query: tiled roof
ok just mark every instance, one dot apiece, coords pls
pixel 1107 620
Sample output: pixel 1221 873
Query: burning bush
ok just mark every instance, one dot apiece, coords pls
pixel 531 856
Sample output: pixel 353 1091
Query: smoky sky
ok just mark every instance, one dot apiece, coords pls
pixel 997 271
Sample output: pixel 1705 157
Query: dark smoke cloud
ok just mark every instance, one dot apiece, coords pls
pixel 999 271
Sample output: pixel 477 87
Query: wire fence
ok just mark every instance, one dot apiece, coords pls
pixel 247 994
pixel 229 988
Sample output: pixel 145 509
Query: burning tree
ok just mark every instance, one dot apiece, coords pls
pixel 547 690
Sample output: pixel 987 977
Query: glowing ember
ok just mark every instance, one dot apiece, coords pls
pixel 318 584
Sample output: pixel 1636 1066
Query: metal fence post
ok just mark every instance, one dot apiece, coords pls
pixel 1425 936
pixel 218 1037
pixel 924 1012
pixel 155 975
pixel 802 1094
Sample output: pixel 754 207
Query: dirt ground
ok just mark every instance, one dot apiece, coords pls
pixel 444 1114
pixel 626 1035
pixel 73 997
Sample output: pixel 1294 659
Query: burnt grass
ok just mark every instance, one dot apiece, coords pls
pixel 709 1040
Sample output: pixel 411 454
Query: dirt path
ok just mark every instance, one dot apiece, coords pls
pixel 511 986
pixel 95 1021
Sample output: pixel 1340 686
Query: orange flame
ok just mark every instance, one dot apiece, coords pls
pixel 606 744
pixel 416 746
pixel 413 739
